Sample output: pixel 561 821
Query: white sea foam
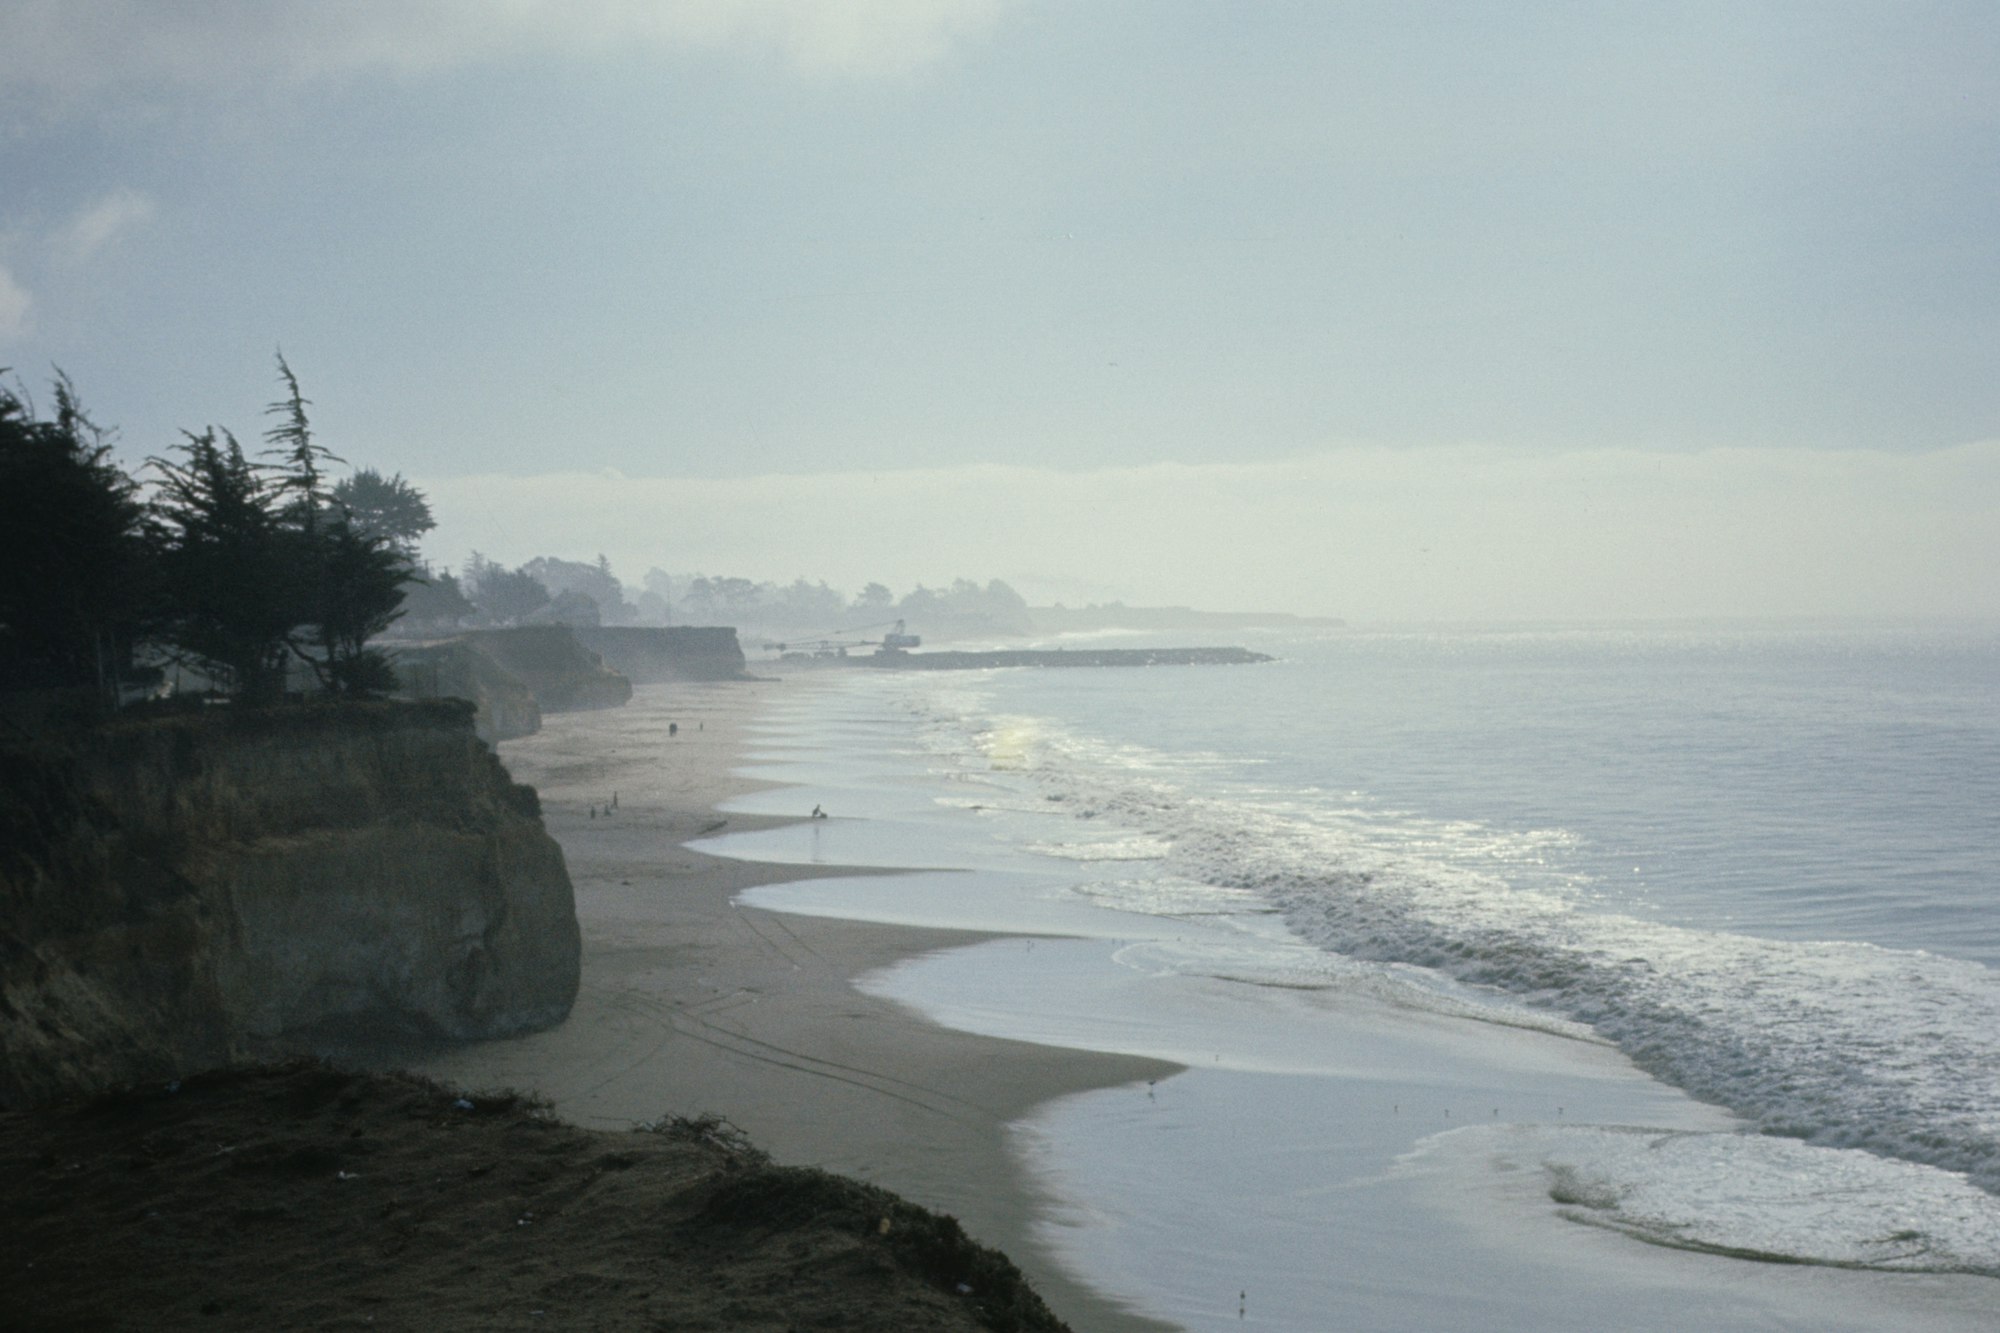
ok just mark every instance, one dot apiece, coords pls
pixel 1137 847
pixel 1841 1045
pixel 1747 1195
pixel 1167 896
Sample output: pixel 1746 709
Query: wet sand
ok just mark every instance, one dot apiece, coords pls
pixel 692 1005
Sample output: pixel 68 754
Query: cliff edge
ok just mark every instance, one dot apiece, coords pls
pixel 185 890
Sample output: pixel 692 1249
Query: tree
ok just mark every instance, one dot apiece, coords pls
pixel 75 580
pixel 435 599
pixel 238 567
pixel 655 605
pixel 301 475
pixel 348 580
pixel 571 607
pixel 724 598
pixel 967 608
pixel 362 578
pixel 504 596
pixel 875 597
pixel 386 507
pixel 809 604
pixel 595 581
pixel 230 568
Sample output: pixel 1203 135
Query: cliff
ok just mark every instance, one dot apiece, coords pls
pixel 511 676
pixel 182 891
pixel 563 674
pixel 676 652
pixel 503 707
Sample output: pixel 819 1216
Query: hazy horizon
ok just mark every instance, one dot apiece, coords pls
pixel 1546 311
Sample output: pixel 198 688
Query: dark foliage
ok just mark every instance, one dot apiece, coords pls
pixel 236 578
pixel 237 568
pixel 263 569
pixel 435 600
pixel 300 473
pixel 360 587
pixel 504 596
pixel 385 507
pixel 75 580
pixel 582 594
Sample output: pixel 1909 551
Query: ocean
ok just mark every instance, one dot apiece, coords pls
pixel 1540 977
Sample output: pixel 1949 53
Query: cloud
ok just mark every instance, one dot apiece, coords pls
pixel 101 223
pixel 861 37
pixel 61 49
pixel 14 306
pixel 1439 533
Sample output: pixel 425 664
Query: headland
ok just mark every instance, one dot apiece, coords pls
pixel 254 1198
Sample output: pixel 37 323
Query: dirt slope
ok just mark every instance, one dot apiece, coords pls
pixel 303 1197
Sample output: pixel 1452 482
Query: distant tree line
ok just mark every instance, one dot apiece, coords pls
pixel 962 607
pixel 548 590
pixel 253 569
pixel 238 567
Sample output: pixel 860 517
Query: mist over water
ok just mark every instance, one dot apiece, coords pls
pixel 1756 862
pixel 1738 856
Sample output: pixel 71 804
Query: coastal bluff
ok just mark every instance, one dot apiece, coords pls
pixel 189 889
pixel 651 653
pixel 515 675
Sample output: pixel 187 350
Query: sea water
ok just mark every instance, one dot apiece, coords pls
pixel 1558 977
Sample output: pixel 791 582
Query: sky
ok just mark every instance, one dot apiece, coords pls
pixel 1392 311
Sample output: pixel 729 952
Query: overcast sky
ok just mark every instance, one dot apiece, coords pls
pixel 1383 310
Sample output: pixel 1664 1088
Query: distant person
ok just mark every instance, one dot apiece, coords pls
pixel 673 728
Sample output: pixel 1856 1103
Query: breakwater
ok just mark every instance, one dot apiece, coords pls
pixel 1058 657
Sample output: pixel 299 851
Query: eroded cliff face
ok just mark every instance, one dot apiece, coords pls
pixel 181 891
pixel 504 708
pixel 649 653
pixel 564 675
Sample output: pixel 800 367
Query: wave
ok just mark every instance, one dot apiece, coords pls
pixel 1834 1045
pixel 1742 1195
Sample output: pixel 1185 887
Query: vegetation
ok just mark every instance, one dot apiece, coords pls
pixel 79 584
pixel 232 591
pixel 250 570
pixel 436 603
pixel 548 590
pixel 238 568
pixel 385 507
pixel 503 596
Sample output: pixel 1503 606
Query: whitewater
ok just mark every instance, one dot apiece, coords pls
pixel 1590 957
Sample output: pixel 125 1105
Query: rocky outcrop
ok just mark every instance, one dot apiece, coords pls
pixel 647 654
pixel 186 890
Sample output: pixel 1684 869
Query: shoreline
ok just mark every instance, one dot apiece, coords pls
pixel 692 1005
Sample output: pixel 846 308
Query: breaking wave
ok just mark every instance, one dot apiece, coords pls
pixel 1838 1046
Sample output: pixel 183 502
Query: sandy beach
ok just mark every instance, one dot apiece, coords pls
pixel 692 1005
